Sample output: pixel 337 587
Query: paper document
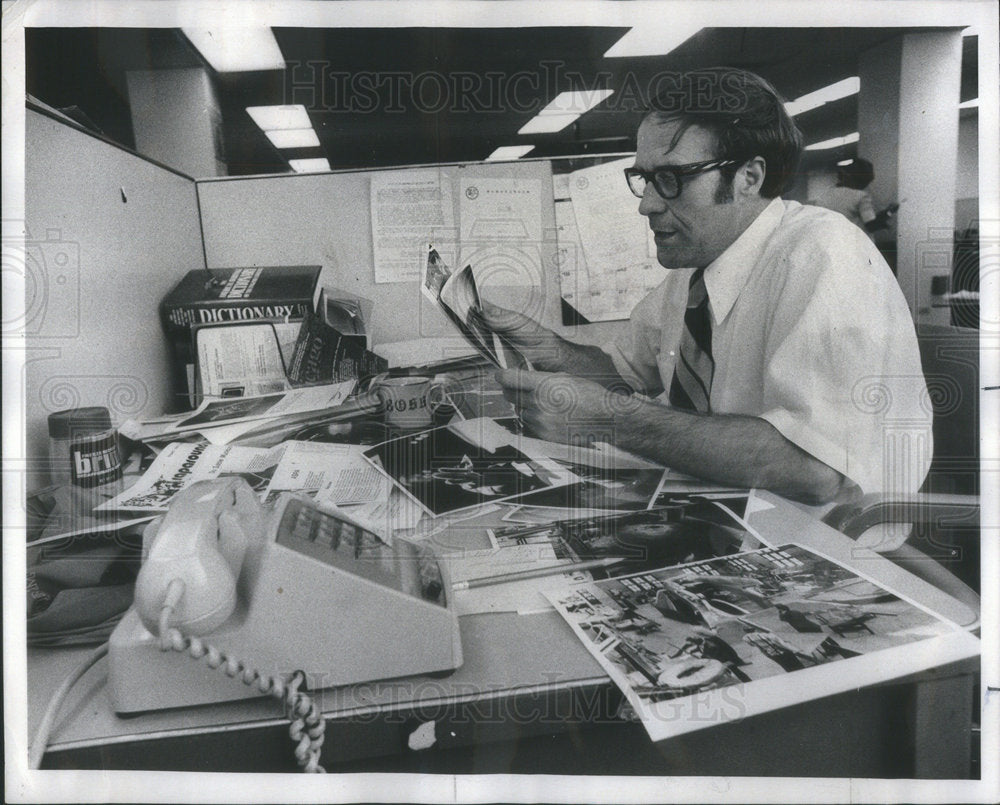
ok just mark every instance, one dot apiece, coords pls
pixel 618 265
pixel 501 230
pixel 686 530
pixel 386 516
pixel 408 209
pixel 336 473
pixel 500 209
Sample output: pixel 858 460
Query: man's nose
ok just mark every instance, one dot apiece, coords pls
pixel 652 202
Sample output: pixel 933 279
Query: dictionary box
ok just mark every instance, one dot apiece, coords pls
pixel 230 296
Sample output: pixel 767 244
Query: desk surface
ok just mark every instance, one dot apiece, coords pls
pixel 506 656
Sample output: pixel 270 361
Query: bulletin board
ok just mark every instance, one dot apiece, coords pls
pixel 362 228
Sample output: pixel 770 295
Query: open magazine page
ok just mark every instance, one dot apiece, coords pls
pixel 725 638
pixel 181 464
pixel 457 294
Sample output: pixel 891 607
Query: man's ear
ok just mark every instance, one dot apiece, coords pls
pixel 750 177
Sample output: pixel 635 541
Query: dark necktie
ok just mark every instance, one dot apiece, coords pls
pixel 692 382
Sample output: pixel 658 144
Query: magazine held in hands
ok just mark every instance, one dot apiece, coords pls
pixel 457 295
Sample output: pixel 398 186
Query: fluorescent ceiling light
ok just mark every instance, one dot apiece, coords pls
pixel 835 142
pixel 844 162
pixel 237 50
pixel 547 124
pixel 576 102
pixel 309 165
pixel 293 138
pixel 270 118
pixel 834 92
pixel 508 152
pixel 565 108
pixel 972 103
pixel 652 40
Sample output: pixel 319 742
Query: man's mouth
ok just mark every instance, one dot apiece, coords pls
pixel 663 236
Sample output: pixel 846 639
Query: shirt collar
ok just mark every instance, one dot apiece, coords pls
pixel 728 273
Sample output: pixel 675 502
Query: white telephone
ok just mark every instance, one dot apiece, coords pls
pixel 303 587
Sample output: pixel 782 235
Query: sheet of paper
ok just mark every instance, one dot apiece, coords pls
pixel 574 280
pixel 674 484
pixel 456 294
pixel 618 265
pixel 338 473
pixel 408 209
pixel 500 221
pixel 244 360
pixel 539 515
pixel 385 516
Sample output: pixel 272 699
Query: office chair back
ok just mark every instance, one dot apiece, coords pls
pixel 950 359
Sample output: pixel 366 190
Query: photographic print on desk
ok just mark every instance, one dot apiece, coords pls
pixel 698 644
pixel 608 489
pixel 445 471
pixel 685 531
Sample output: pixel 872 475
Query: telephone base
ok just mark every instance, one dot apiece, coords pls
pixel 143 677
pixel 338 628
pixel 316 593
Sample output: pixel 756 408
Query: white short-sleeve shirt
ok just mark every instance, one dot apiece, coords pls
pixel 811 333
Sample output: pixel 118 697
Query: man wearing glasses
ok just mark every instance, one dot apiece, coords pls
pixel 778 353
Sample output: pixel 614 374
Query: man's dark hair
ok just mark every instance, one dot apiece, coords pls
pixel 857 175
pixel 743 112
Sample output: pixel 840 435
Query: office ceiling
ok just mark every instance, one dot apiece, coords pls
pixel 404 96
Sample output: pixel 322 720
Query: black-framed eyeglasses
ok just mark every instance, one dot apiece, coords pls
pixel 667 180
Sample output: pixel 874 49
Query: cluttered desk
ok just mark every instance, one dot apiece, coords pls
pixel 385 558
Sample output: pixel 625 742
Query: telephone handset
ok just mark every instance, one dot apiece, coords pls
pixel 298 587
pixel 201 541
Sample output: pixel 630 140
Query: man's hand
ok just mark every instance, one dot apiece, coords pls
pixel 538 344
pixel 549 351
pixel 562 408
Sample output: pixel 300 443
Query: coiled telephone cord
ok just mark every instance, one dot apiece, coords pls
pixel 307 726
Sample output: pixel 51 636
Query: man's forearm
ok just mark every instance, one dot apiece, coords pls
pixel 731 450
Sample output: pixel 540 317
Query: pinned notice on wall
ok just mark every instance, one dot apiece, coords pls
pixel 409 209
pixel 501 229
pixel 618 264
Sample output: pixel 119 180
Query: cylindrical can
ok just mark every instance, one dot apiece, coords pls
pixel 83 449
